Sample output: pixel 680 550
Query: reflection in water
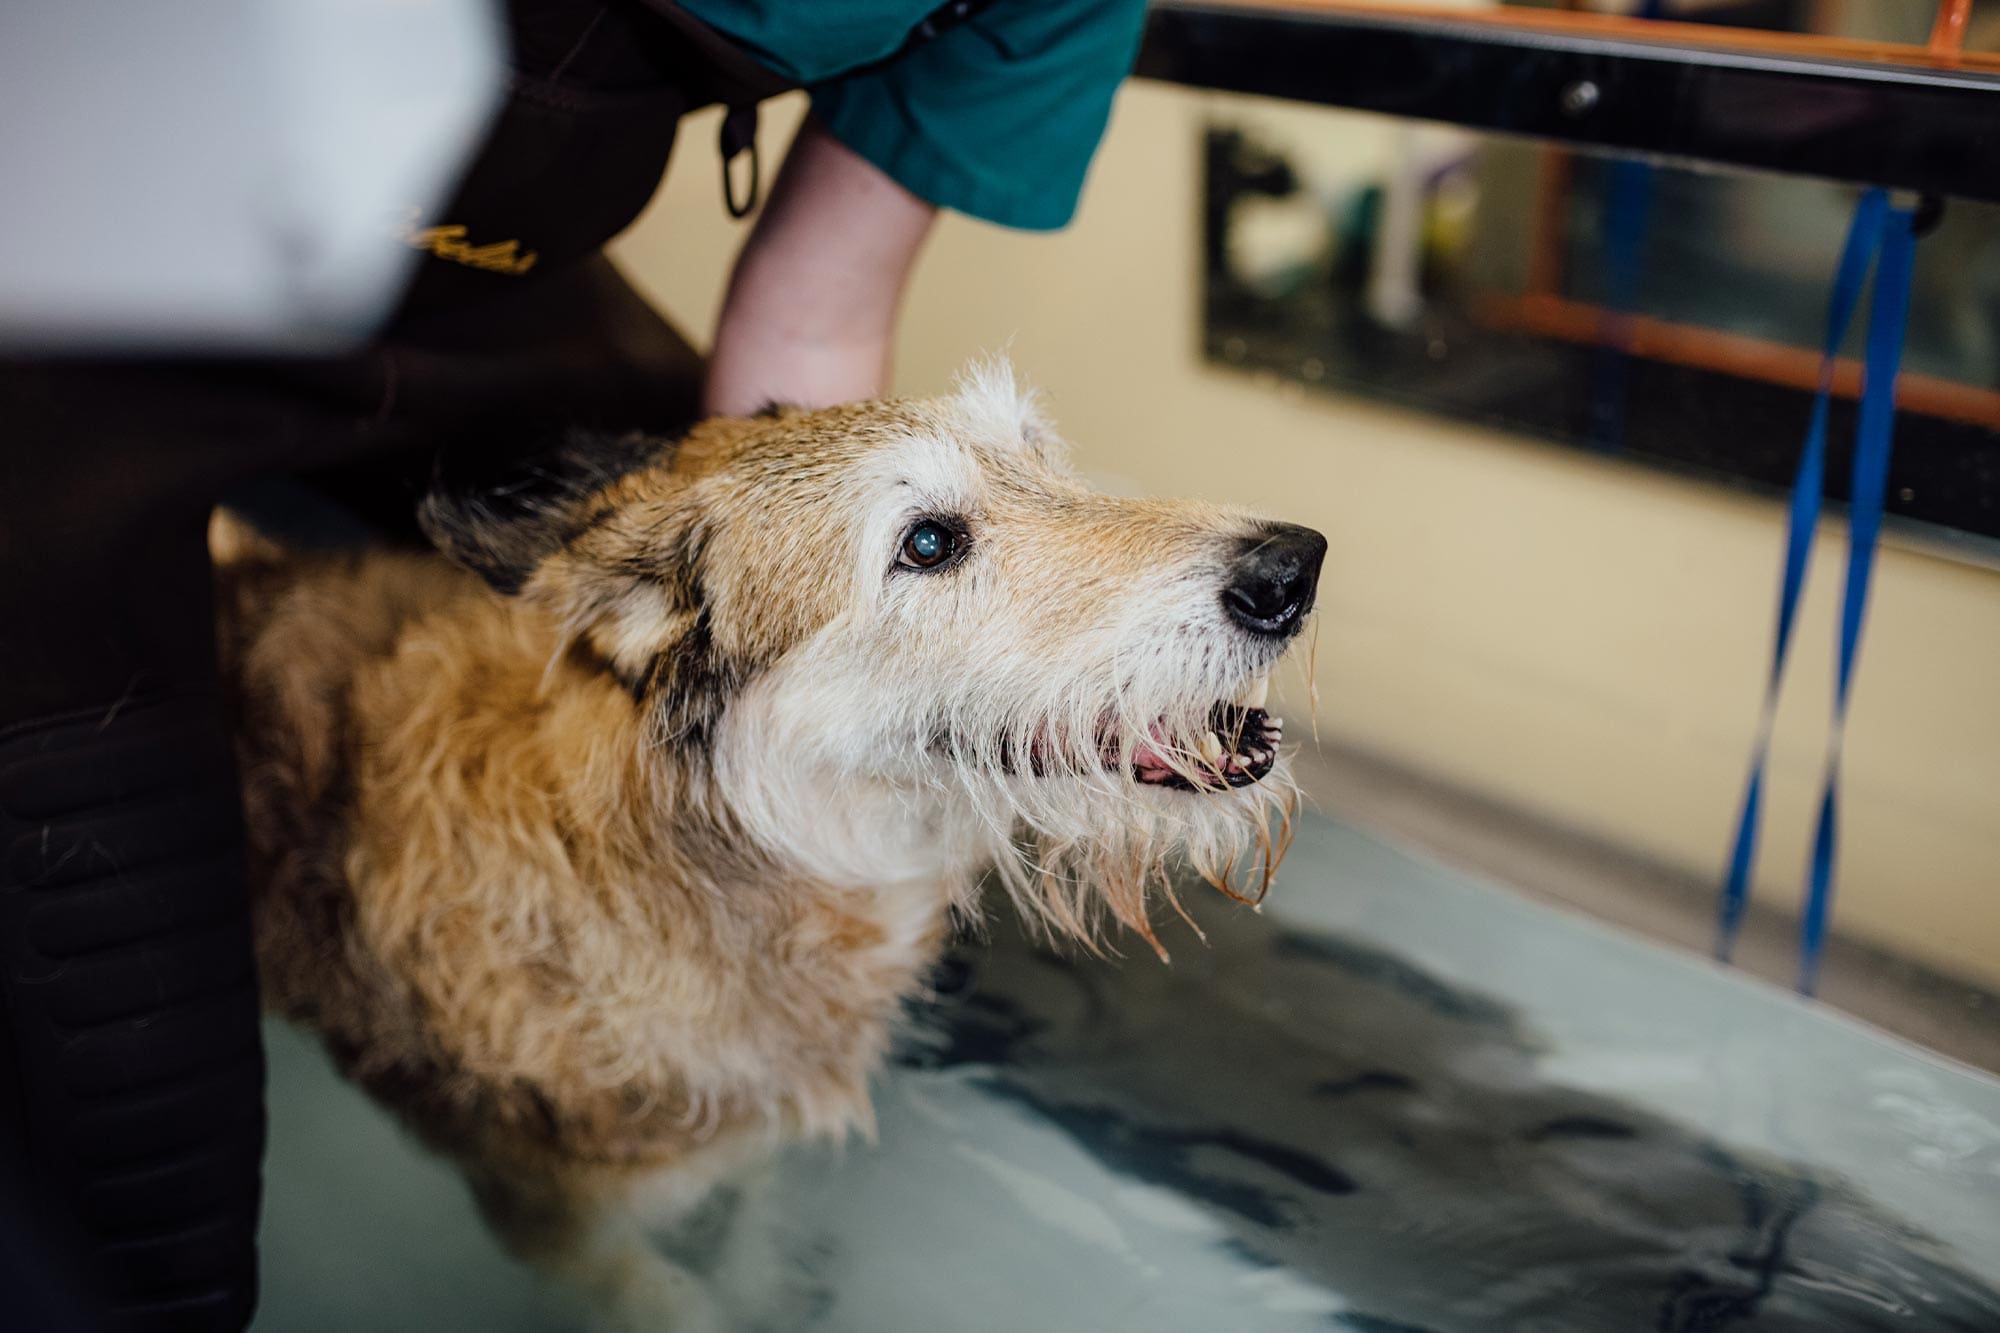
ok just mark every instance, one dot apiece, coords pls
pixel 1365 1126
pixel 1281 1132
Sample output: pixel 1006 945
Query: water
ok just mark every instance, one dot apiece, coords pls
pixel 1402 1102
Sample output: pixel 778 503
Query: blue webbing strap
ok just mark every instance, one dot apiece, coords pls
pixel 1876 227
pixel 1872 441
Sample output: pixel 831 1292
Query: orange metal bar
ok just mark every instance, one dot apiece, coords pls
pixel 1659 32
pixel 1732 354
pixel 1948 33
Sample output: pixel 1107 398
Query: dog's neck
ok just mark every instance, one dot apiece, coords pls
pixel 740 795
pixel 863 832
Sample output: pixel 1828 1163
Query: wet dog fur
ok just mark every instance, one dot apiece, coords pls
pixel 604 847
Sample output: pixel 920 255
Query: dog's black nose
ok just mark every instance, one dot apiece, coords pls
pixel 1271 583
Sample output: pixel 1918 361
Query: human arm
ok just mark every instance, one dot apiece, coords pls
pixel 810 317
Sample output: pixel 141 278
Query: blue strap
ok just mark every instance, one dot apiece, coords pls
pixel 1873 220
pixel 1868 492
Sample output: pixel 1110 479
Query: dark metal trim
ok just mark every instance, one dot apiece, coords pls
pixel 1906 126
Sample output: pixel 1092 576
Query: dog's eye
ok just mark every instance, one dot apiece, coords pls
pixel 928 545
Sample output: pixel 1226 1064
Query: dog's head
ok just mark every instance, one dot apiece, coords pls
pixel 902 638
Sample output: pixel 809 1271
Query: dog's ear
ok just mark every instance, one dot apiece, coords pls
pixel 634 589
pixel 500 515
pixel 621 565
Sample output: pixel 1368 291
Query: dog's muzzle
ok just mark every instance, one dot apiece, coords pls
pixel 1239 748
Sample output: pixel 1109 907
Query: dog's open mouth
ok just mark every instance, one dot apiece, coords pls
pixel 1239 747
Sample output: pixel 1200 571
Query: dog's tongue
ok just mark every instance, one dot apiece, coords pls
pixel 1148 761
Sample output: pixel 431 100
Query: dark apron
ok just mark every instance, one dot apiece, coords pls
pixel 513 325
pixel 130 1067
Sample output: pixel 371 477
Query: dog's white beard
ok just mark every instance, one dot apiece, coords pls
pixel 1077 841
pixel 864 786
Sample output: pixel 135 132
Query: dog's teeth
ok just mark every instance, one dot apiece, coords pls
pixel 1210 748
pixel 1256 692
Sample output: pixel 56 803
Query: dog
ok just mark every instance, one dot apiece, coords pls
pixel 604 844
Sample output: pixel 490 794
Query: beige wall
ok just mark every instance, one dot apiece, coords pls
pixel 1582 638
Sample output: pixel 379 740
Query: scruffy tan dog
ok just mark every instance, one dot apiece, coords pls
pixel 605 853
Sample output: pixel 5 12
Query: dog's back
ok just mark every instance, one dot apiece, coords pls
pixel 299 633
pixel 459 886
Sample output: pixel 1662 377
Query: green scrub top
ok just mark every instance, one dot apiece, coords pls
pixel 997 117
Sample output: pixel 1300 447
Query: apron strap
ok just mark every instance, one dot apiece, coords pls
pixel 739 126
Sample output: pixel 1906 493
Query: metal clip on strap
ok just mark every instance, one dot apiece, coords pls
pixel 739 135
pixel 739 126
